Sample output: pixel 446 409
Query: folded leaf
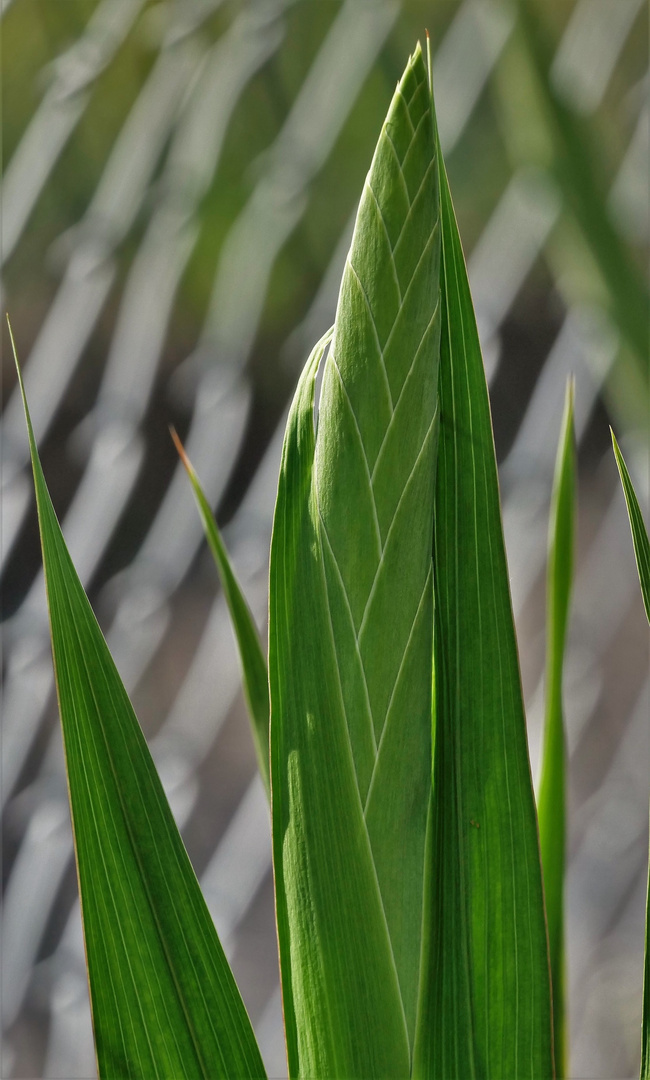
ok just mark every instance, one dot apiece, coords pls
pixel 552 791
pixel 164 1001
pixel 485 1008
pixel 351 631
pixel 255 675
pixel 642 553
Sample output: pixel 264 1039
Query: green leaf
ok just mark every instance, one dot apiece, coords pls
pixel 254 670
pixel 164 1001
pixel 637 525
pixel 642 553
pixel 552 791
pixel 578 171
pixel 351 630
pixel 485 1004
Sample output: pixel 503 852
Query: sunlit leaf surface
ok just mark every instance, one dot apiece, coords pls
pixel 351 631
pixel 164 1001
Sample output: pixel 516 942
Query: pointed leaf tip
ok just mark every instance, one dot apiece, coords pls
pixel 148 933
pixel 180 449
pixel 637 525
pixel 254 670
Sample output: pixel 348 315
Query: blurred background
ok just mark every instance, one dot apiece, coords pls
pixel 178 189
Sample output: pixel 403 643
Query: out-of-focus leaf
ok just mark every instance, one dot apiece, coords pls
pixel 254 670
pixel 577 169
pixel 552 792
pixel 351 631
pixel 485 1006
pixel 642 553
pixel 164 1001
pixel 637 525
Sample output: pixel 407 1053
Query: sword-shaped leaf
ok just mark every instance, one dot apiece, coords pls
pixel 552 791
pixel 642 553
pixel 351 630
pixel 254 670
pixel 637 525
pixel 164 1001
pixel 485 1008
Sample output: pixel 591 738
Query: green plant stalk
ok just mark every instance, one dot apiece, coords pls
pixel 551 803
pixel 642 555
pixel 253 662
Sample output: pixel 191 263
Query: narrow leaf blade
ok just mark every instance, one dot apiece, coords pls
pixel 552 792
pixel 642 554
pixel 254 670
pixel 637 525
pixel 164 1001
pixel 485 1004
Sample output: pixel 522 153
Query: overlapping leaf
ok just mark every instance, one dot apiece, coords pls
pixel 164 1001
pixel 485 1008
pixel 552 792
pixel 351 631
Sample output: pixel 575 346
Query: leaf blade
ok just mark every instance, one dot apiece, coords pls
pixel 254 669
pixel 485 1006
pixel 375 458
pixel 642 555
pixel 340 995
pixel 637 526
pixel 164 1001
pixel 551 803
pixel 367 497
